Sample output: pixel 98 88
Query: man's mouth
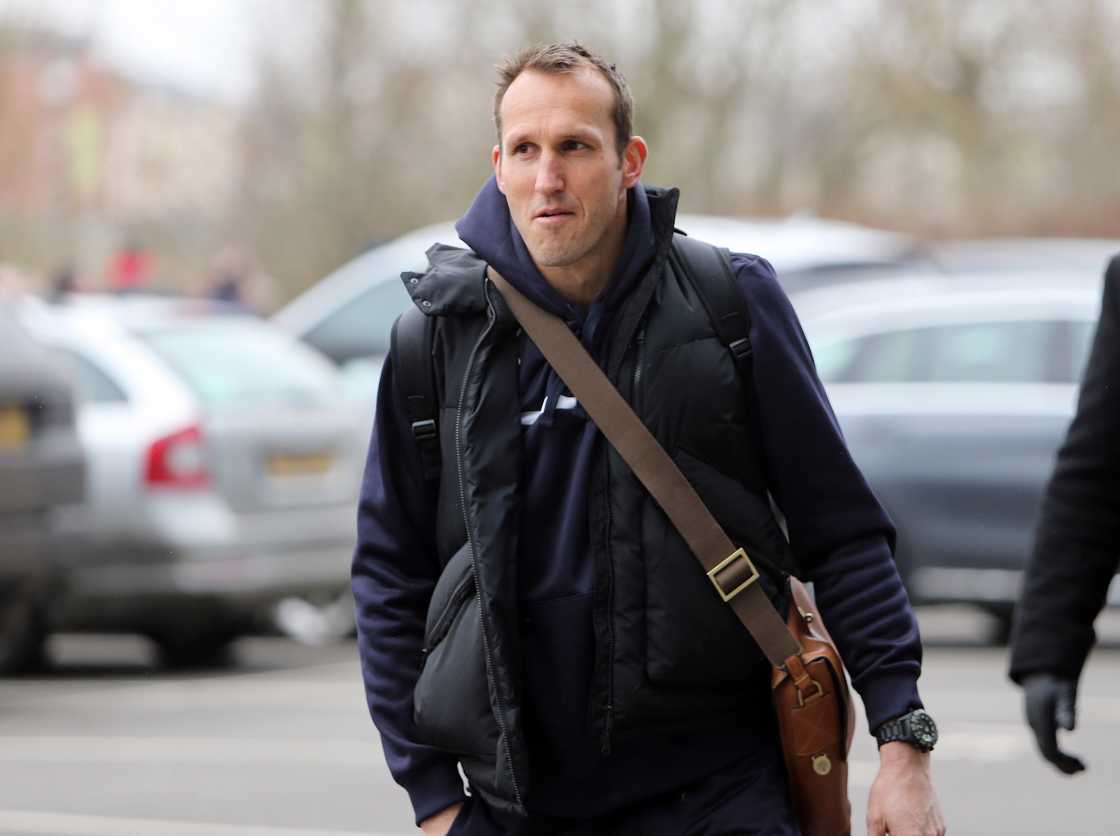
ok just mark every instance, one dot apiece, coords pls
pixel 546 214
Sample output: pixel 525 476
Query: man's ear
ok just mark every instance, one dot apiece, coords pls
pixel 496 161
pixel 633 161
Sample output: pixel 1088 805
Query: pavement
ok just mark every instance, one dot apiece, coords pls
pixel 107 744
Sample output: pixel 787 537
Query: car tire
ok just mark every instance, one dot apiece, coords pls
pixel 23 638
pixel 195 651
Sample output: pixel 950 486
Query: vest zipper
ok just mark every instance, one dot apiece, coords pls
pixel 640 342
pixel 483 621
pixel 606 744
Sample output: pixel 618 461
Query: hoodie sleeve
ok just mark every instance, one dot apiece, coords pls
pixel 841 535
pixel 393 574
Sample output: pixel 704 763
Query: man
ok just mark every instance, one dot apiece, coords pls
pixel 1077 546
pixel 575 661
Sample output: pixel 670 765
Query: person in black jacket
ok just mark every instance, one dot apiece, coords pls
pixel 1077 546
pixel 531 617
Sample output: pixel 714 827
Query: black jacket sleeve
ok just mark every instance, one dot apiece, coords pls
pixel 1077 544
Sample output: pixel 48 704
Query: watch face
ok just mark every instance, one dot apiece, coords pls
pixel 923 728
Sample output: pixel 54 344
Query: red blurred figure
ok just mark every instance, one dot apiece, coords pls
pixel 130 269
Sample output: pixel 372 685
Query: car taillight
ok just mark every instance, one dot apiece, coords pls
pixel 178 460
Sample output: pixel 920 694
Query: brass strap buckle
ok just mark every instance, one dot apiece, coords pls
pixel 802 700
pixel 723 564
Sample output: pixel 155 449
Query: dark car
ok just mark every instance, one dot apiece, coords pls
pixel 954 394
pixel 41 468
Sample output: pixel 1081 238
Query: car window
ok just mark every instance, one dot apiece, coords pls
pixel 890 357
pixel 992 352
pixel 1081 341
pixel 976 352
pixel 91 383
pixel 245 363
pixel 834 359
pixel 893 357
pixel 360 328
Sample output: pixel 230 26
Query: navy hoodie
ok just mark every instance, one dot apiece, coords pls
pixel 836 526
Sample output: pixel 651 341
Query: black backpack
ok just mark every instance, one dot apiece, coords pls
pixel 706 267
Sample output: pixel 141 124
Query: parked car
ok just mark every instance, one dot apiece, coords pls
pixel 807 251
pixel 41 469
pixel 1065 255
pixel 348 314
pixel 223 476
pixel 954 394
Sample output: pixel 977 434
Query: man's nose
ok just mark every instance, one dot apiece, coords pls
pixel 550 173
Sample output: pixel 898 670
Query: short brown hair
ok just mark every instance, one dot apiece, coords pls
pixel 568 57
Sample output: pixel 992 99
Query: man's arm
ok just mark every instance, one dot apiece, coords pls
pixel 1076 546
pixel 393 574
pixel 843 540
pixel 840 534
pixel 1077 543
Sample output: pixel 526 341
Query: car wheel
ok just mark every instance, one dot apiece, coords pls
pixel 188 651
pixel 23 637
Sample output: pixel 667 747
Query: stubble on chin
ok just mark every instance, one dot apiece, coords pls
pixel 554 253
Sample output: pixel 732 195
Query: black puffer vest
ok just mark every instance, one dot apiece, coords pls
pixel 669 653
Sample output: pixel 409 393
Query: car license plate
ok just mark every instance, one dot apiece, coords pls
pixel 14 428
pixel 309 464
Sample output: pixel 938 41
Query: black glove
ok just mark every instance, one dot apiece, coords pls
pixel 1051 703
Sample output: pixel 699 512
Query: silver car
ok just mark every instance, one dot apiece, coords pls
pixel 223 474
pixel 954 394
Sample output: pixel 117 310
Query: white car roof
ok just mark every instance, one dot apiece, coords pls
pixel 799 242
pixel 99 337
pixel 915 299
pixel 992 254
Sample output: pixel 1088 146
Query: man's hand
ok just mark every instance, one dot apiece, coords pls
pixel 902 801
pixel 1051 703
pixel 440 823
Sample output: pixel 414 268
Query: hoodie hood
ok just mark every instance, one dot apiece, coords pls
pixel 488 229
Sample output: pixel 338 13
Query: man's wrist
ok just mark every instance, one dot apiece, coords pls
pixel 897 755
pixel 916 728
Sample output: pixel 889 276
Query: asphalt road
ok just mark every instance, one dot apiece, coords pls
pixel 106 744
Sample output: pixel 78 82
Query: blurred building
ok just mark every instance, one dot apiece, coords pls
pixel 169 153
pixel 88 155
pixel 56 105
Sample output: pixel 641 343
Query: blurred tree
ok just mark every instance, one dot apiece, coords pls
pixel 372 117
pixel 933 116
pixel 365 138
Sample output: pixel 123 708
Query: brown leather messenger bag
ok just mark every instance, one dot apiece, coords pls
pixel 809 686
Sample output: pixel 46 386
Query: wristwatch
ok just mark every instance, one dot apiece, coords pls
pixel 916 728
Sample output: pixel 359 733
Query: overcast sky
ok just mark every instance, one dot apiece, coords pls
pixel 205 46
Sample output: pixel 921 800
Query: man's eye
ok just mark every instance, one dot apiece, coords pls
pixel 574 145
pixel 523 148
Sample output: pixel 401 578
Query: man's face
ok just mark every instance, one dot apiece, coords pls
pixel 558 165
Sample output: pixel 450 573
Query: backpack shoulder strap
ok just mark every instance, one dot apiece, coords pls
pixel 708 269
pixel 411 348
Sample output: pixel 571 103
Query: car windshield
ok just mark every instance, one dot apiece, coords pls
pixel 244 363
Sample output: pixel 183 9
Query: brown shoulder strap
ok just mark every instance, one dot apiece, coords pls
pixel 729 568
